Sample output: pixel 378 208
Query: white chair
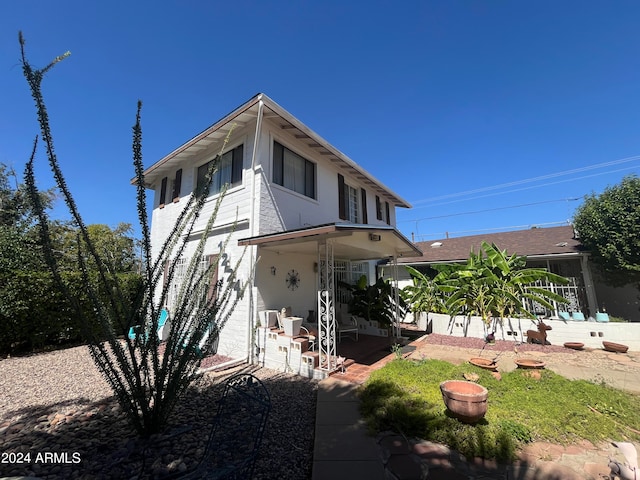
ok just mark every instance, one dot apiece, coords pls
pixel 311 338
pixel 346 324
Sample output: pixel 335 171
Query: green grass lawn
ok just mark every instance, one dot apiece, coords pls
pixel 405 396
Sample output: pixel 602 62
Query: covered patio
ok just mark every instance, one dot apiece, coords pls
pixel 300 268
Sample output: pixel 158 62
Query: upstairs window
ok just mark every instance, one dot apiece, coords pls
pixel 349 201
pixel 228 172
pixel 176 185
pixel 383 214
pixel 292 171
pixel 351 194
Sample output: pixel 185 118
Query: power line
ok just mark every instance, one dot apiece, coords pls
pixel 490 210
pixel 525 188
pixel 533 179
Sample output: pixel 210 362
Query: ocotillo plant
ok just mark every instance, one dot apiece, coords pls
pixel 146 379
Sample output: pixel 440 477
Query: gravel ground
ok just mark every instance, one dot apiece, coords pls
pixel 57 403
pixel 498 346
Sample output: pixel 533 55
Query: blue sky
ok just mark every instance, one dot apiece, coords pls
pixel 485 115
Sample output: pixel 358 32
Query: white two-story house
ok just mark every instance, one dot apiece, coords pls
pixel 305 216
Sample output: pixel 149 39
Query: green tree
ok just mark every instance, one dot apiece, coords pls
pixel 147 382
pixel 19 248
pixel 115 246
pixel 16 209
pixel 609 227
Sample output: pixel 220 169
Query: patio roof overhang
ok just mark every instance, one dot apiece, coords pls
pixel 350 241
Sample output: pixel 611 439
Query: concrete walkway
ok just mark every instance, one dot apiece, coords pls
pixel 344 450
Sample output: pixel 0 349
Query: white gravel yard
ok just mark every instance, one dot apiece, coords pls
pixel 58 402
pixel 67 377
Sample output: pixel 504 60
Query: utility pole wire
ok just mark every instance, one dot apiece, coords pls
pixel 534 179
pixel 524 188
pixel 571 199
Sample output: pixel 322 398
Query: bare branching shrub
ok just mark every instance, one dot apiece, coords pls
pixel 148 377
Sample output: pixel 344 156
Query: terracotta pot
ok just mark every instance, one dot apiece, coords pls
pixel 574 345
pixel 529 363
pixel 483 363
pixel 615 347
pixel 467 401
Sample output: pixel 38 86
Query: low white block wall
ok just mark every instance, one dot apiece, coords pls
pixel 590 333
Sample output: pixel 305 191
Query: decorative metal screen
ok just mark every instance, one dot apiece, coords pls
pixel 348 272
pixel 574 291
pixel 326 308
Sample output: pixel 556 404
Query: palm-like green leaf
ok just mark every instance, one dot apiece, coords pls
pixel 490 283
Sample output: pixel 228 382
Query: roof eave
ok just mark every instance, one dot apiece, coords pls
pixel 289 118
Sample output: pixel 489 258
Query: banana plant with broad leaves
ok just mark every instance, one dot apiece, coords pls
pixel 424 294
pixel 494 284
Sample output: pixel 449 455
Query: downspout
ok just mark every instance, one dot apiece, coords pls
pixel 252 232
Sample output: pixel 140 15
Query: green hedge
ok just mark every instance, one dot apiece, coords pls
pixel 34 313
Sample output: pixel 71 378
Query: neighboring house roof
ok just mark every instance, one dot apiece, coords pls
pixel 535 242
pixel 247 113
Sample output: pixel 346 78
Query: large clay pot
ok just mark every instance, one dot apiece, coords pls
pixel 615 347
pixel 467 401
pixel 484 363
pixel 529 363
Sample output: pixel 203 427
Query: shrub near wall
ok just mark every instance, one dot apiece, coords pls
pixel 34 314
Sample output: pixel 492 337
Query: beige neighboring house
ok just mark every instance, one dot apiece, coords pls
pixel 555 248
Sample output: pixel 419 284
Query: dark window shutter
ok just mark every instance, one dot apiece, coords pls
pixel 388 212
pixel 378 208
pixel 278 163
pixel 363 196
pixel 212 292
pixel 236 165
pixel 310 179
pixel 163 191
pixel 177 184
pixel 342 201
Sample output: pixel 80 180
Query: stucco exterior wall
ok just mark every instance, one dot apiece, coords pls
pixel 274 292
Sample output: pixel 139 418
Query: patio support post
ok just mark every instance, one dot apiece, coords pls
pixel 326 308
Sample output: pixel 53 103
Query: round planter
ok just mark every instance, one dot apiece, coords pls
pixel 467 401
pixel 529 363
pixel 615 347
pixel 484 363
pixel 574 345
